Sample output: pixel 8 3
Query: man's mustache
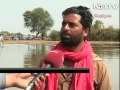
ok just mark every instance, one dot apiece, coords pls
pixel 66 33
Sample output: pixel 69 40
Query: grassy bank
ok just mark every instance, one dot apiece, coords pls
pixel 51 42
pixel 29 42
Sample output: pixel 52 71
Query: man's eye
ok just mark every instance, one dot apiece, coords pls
pixel 71 24
pixel 63 23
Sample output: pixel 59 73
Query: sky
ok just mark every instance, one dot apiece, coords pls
pixel 12 20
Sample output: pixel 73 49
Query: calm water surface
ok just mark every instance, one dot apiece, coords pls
pixel 26 56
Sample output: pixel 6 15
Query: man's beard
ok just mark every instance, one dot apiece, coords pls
pixel 71 41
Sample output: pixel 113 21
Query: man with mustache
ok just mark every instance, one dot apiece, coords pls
pixel 76 26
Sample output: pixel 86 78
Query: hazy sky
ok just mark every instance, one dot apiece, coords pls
pixel 11 12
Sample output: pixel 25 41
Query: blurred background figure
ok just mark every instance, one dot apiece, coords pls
pixel 1 40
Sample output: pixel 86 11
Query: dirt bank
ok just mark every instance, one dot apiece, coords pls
pixel 29 42
pixel 50 42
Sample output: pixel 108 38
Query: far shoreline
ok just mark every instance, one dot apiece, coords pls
pixel 51 42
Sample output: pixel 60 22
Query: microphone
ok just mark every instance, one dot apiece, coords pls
pixel 54 59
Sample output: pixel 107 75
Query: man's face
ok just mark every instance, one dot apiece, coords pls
pixel 72 32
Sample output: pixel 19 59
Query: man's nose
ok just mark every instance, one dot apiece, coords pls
pixel 66 27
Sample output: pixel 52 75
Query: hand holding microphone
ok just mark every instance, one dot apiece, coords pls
pixel 54 59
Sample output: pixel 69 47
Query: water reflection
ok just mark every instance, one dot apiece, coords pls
pixel 107 52
pixel 110 53
pixel 26 56
pixel 35 55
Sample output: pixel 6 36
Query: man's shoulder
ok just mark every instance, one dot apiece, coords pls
pixel 96 57
pixel 98 62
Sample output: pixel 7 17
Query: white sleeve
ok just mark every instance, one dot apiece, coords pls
pixel 2 80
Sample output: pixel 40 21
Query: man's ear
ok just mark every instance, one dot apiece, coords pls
pixel 86 32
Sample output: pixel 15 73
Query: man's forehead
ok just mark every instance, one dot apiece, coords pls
pixel 73 18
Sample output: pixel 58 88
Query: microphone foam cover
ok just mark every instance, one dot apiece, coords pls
pixel 55 58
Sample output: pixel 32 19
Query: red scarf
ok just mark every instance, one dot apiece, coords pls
pixel 83 59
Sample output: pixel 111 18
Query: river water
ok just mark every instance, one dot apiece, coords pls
pixel 27 56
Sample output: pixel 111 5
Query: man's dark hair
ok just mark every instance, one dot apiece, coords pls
pixel 86 16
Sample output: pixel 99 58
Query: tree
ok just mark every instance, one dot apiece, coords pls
pixel 38 20
pixel 98 25
pixel 55 35
pixel 110 27
pixel 19 35
pixel 5 32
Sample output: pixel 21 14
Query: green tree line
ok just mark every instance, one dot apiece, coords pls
pixel 105 34
pixel 98 33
